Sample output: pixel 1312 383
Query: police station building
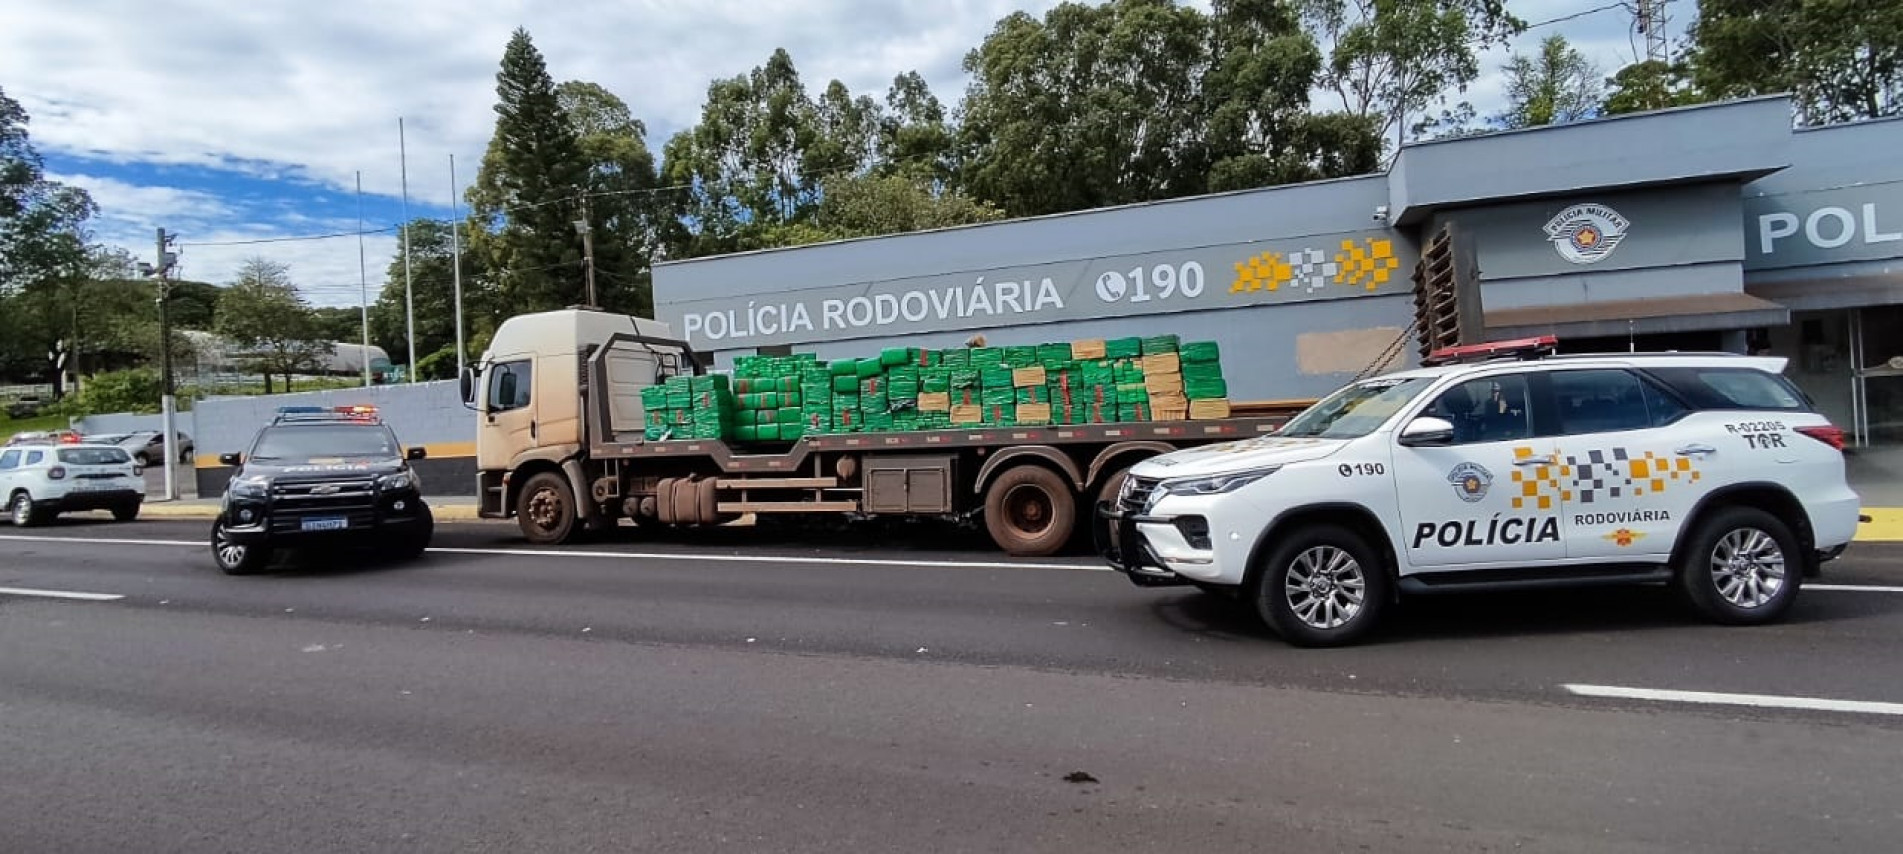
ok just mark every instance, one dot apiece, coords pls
pixel 1716 227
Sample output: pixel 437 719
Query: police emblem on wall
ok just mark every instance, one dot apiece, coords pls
pixel 1586 234
pixel 1470 481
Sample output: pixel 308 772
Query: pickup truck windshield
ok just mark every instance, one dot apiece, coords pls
pixel 1356 410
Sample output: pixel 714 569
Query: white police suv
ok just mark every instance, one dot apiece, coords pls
pixel 1502 465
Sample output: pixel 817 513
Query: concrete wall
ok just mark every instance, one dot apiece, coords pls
pixel 430 415
pixel 128 422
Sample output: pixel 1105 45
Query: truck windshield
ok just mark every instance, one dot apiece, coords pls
pixel 1356 410
pixel 302 444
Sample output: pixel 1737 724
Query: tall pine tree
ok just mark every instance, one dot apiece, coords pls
pixel 528 193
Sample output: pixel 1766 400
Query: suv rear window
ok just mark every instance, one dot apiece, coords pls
pixel 93 456
pixel 1734 388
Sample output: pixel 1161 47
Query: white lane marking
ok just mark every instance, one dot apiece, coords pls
pixel 59 594
pixel 1767 701
pixel 106 540
pixel 835 561
pixel 1853 588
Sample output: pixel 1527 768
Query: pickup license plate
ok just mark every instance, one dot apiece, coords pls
pixel 326 524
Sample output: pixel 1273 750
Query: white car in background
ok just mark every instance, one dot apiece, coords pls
pixel 42 481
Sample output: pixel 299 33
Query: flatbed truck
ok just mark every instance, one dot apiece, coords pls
pixel 561 448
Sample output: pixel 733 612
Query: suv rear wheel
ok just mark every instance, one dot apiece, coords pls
pixel 1321 585
pixel 1742 567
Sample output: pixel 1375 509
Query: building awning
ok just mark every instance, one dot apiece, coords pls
pixel 1700 313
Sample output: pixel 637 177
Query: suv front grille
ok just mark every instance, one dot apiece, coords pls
pixel 1136 493
pixel 326 497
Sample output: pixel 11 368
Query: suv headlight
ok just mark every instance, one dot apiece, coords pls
pixel 251 486
pixel 394 482
pixel 1215 484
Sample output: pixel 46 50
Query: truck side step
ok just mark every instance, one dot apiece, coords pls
pixel 788 506
pixel 778 483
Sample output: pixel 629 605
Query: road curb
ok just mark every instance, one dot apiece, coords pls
pixel 207 512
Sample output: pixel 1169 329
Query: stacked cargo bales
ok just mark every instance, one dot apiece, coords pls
pixel 781 399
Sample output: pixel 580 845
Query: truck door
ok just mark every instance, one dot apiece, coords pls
pixel 508 425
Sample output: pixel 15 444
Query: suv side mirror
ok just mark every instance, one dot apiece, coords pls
pixel 1427 430
pixel 415 454
pixel 230 459
pixel 468 380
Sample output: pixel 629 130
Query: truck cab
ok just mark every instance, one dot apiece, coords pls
pixel 527 390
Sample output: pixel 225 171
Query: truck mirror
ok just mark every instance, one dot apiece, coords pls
pixel 468 380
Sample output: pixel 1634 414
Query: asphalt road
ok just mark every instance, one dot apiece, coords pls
pixel 875 692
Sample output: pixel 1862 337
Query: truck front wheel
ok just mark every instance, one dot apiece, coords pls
pixel 545 509
pixel 1030 511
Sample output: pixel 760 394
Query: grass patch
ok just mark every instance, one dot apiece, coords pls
pixel 11 426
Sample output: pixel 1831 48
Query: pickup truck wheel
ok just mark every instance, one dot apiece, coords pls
pixel 545 511
pixel 1030 511
pixel 1322 585
pixel 1742 568
pixel 234 559
pixel 21 511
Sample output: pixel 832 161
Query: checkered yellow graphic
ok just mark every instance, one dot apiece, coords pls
pixel 1538 486
pixel 1267 270
pixel 1592 476
pixel 1370 267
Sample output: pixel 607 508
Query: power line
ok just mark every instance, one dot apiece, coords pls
pixel 1577 15
pixel 290 239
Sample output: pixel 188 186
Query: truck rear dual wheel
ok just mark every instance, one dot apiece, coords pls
pixel 1030 511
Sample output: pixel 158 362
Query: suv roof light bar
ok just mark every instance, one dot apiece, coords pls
pixel 1520 348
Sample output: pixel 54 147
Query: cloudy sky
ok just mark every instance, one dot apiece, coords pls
pixel 245 120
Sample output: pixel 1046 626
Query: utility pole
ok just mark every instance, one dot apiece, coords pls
pixel 587 249
pixel 409 297
pixel 456 252
pixel 363 283
pixel 168 404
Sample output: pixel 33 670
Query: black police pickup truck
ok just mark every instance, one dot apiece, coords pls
pixel 320 476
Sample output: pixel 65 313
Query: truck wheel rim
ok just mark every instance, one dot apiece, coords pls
pixel 545 508
pixel 1748 567
pixel 1029 509
pixel 1325 587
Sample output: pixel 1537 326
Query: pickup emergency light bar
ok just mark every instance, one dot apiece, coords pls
pixel 1521 348
pixel 358 412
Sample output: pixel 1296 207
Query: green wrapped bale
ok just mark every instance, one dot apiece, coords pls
pixel 893 357
pixel 966 378
pixel 1123 348
pixel 997 378
pixel 877 422
pixel 1034 394
pixel 1193 371
pixel 789 415
pixel 792 432
pixel 935 381
pixel 998 395
pixel 1020 357
pixel 957 359
pixel 987 357
pixel 844 368
pixel 846 384
pixel 653 398
pixel 1201 353
pixel 1159 344
pixel 1205 389
pixel 869 368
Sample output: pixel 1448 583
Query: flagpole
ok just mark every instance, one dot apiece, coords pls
pixel 456 250
pixel 363 282
pixel 409 296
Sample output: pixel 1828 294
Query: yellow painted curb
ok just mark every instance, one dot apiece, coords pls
pixel 1885 525
pixel 164 510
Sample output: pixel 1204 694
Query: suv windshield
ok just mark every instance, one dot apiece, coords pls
pixel 1356 410
pixel 302 444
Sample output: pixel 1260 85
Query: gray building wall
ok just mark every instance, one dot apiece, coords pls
pixel 1695 193
pixel 131 422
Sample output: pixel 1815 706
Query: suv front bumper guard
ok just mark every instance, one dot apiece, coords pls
pixel 1122 545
